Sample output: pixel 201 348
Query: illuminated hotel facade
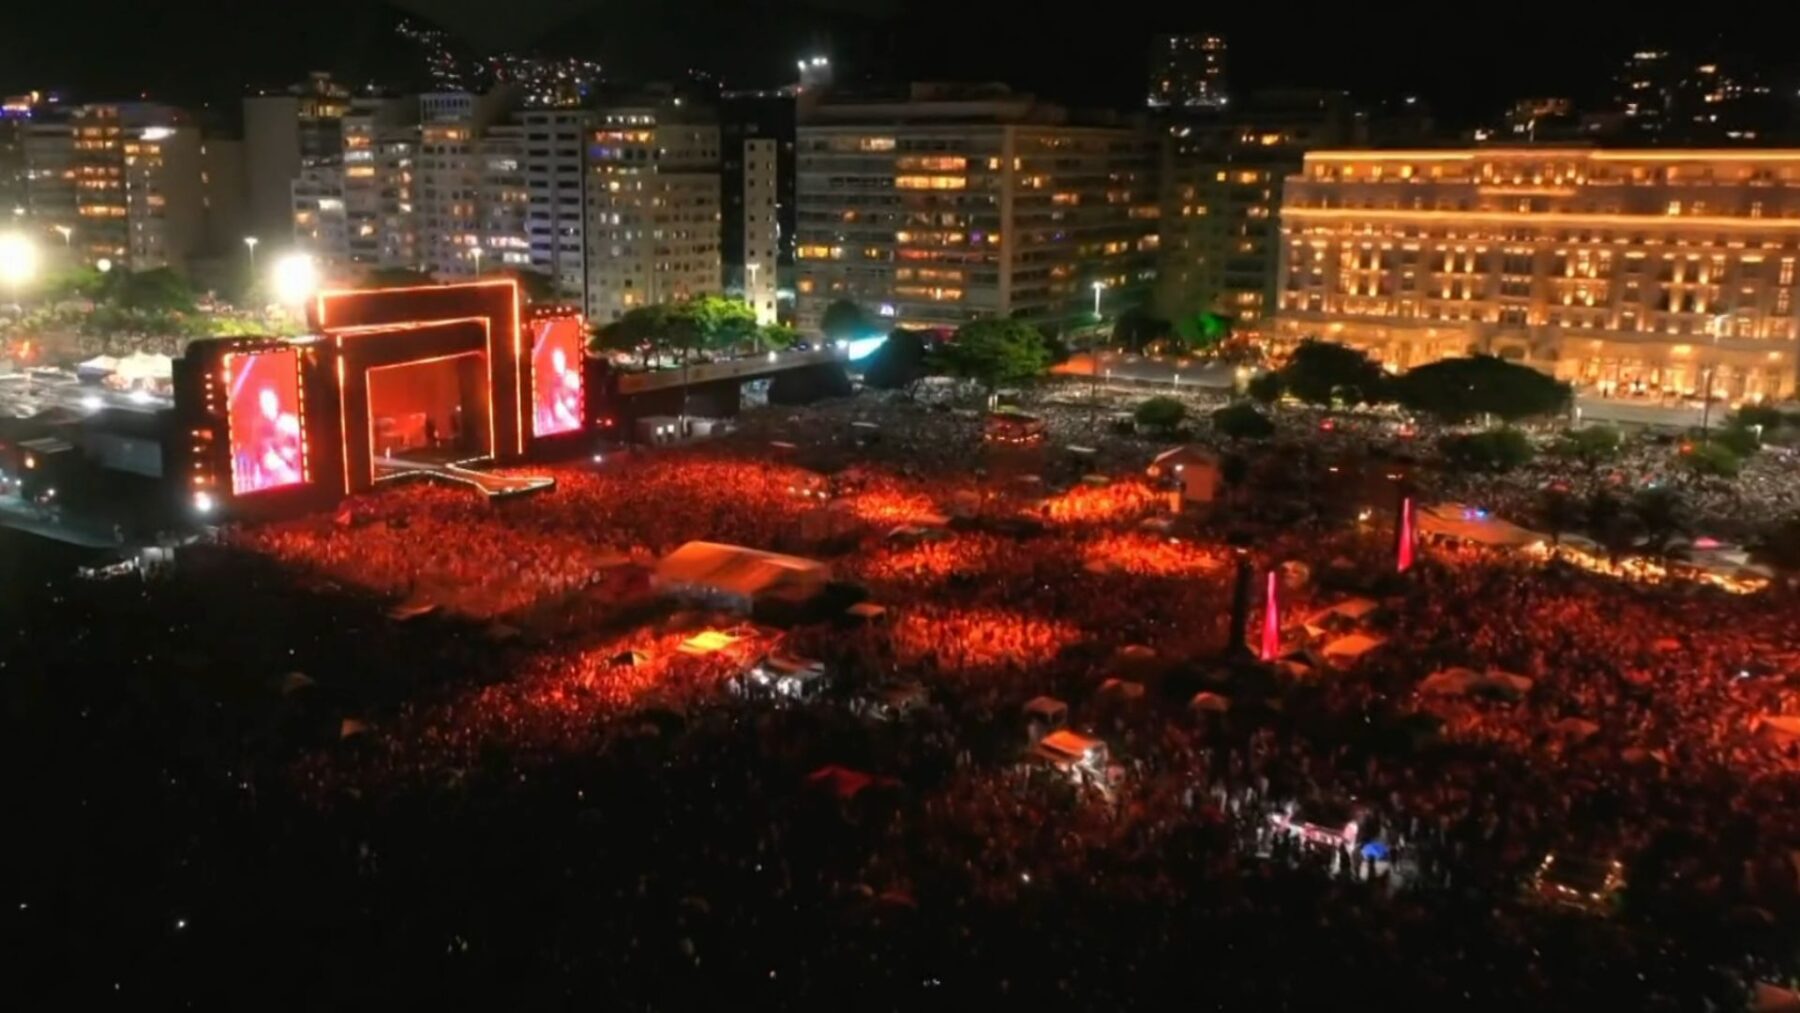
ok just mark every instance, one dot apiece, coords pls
pixel 942 208
pixel 1624 272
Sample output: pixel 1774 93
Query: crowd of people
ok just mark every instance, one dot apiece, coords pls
pixel 437 814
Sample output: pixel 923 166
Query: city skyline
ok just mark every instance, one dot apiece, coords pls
pixel 1464 78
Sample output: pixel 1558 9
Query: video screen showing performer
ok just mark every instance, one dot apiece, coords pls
pixel 263 405
pixel 556 376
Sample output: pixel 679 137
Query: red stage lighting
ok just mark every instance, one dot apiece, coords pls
pixel 268 448
pixel 556 359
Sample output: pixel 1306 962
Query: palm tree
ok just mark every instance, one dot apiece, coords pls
pixel 1560 512
pixel 1660 513
pixel 1610 524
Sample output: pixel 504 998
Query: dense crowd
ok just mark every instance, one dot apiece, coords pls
pixel 480 808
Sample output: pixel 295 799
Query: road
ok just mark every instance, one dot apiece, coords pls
pixel 21 397
pixel 1152 370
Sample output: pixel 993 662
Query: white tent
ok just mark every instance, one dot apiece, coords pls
pixel 1469 524
pixel 1353 646
pixel 1351 610
pixel 737 575
pixel 144 366
pixel 1449 682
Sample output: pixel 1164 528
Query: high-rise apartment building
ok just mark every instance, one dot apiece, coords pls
pixel 652 196
pixel 357 210
pixel 947 204
pixel 505 199
pixel 49 147
pixel 555 162
pixel 471 185
pixel 1222 182
pixel 756 128
pixel 284 134
pixel 1628 272
pixel 760 228
pixel 1187 72
pixel 139 194
pixel 15 121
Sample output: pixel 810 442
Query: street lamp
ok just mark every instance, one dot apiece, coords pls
pixel 66 232
pixel 18 261
pixel 1099 287
pixel 251 241
pixel 1714 327
pixel 476 253
pixel 296 278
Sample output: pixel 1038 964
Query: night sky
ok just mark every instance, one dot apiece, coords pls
pixel 1466 60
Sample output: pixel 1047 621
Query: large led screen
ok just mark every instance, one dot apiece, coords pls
pixel 263 405
pixel 556 376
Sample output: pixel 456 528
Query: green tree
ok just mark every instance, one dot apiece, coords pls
pixel 995 352
pixel 1660 514
pixel 722 322
pixel 1610 523
pixel 1495 450
pixel 641 331
pixel 77 282
pixel 779 337
pixel 1752 415
pixel 1203 331
pixel 1241 421
pixel 1739 440
pixel 1779 546
pixel 1710 460
pixel 1138 327
pixel 845 321
pixel 1264 388
pixel 901 361
pixel 1457 390
pixel 1321 372
pixel 1559 511
pixel 161 290
pixel 1161 413
pixel 1591 446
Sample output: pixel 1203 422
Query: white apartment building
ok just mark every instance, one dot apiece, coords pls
pixel 450 174
pixel 946 206
pixel 504 199
pixel 555 160
pixel 762 233
pixel 652 208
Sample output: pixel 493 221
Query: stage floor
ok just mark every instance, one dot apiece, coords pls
pixel 491 485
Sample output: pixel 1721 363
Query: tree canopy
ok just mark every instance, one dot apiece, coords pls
pixel 1161 412
pixel 707 323
pixel 899 362
pixel 1660 514
pixel 1494 450
pixel 1711 460
pixel 1457 390
pixel 1241 421
pixel 1321 372
pixel 995 352
pixel 844 320
pixel 1592 446
pixel 1138 327
pixel 1264 388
